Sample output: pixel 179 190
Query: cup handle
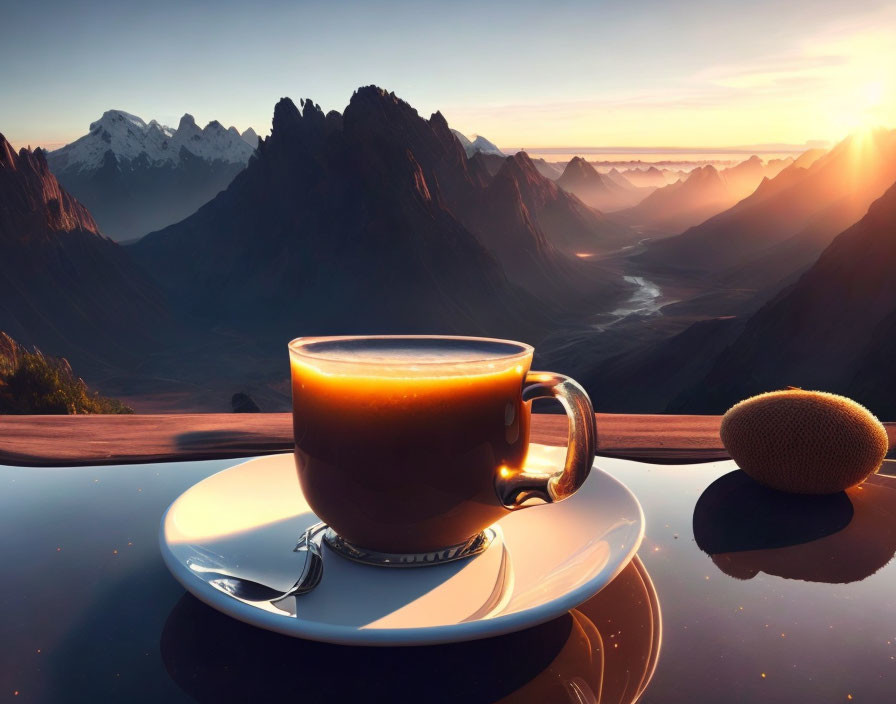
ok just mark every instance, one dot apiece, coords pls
pixel 515 488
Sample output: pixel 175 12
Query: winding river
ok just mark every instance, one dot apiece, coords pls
pixel 645 301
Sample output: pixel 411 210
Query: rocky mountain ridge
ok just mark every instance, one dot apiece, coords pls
pixel 65 287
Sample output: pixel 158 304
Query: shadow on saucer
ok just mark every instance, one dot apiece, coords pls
pixel 747 528
pixel 214 658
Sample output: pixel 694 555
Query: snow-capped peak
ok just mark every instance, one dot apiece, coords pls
pixel 481 144
pixel 167 131
pixel 116 119
pixel 128 136
pixel 477 144
pixel 250 137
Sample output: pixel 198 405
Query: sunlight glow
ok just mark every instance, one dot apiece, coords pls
pixel 864 158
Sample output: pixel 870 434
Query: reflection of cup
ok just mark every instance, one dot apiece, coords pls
pixel 408 447
pixel 747 528
pixel 612 649
pixel 605 649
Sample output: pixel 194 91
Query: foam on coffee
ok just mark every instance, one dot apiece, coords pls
pixel 417 357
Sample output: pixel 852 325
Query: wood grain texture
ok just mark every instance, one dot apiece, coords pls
pixel 42 441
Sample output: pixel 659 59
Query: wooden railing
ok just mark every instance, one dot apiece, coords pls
pixel 101 439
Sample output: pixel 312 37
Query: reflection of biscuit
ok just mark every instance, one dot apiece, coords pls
pixel 805 442
pixel 846 537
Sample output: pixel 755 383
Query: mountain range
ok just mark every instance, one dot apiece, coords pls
pixel 136 177
pixel 376 220
pixel 782 227
pixel 697 196
pixel 601 191
pixel 570 224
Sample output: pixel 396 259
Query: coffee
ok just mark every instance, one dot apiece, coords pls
pixel 399 440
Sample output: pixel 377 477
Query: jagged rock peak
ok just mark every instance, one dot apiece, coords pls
pixel 520 164
pixel 308 104
pixel 311 111
pixel 375 92
pixel 285 114
pixel 437 119
pixel 29 192
pixel 376 98
pixel 290 123
pixel 520 170
pixel 186 121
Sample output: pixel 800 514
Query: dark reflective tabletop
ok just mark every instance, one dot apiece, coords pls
pixel 739 595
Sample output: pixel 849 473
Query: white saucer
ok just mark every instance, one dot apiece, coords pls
pixel 545 561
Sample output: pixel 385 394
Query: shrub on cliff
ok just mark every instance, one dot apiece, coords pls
pixel 31 382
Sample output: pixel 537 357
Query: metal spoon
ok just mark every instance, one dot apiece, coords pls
pixel 248 590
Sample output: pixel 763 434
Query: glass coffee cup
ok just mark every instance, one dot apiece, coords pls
pixel 410 447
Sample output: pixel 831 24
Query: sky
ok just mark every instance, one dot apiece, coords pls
pixel 688 73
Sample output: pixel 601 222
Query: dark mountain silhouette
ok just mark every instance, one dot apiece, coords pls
pixel 65 288
pixel 673 208
pixel 782 227
pixel 137 177
pixel 373 221
pixel 832 330
pixel 595 189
